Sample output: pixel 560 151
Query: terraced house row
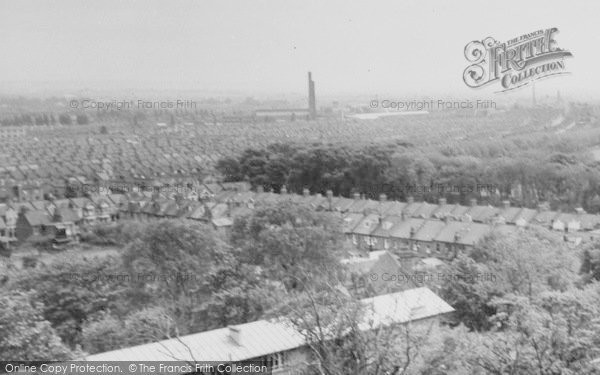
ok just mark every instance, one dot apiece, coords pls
pixel 422 228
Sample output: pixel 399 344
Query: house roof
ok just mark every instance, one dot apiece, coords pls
pixel 474 233
pixel 459 211
pixel 567 218
pixel 222 222
pixel 219 210
pixel 392 208
pixel 545 217
pixel 526 214
pixel 81 202
pixel 589 222
pixel 403 228
pixel 350 221
pixel 37 217
pixel 39 205
pixel 66 215
pixel 258 338
pixel 264 337
pixel 482 213
pixel 443 210
pixel 387 224
pixel 358 206
pixel 402 307
pixel 342 204
pixel 425 210
pixel 367 225
pixel 510 214
pixel 429 230
pixel 448 233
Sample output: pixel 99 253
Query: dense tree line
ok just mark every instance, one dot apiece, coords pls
pixel 490 171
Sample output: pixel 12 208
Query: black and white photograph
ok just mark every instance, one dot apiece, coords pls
pixel 299 187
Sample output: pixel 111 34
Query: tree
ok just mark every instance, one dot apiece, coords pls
pixel 286 239
pixel 73 291
pixel 343 340
pixel 590 262
pixel 469 295
pixel 553 333
pixel 64 119
pixel 528 262
pixel 24 333
pixel 171 260
pixel 230 169
pixel 239 293
pixel 82 119
pixel 109 332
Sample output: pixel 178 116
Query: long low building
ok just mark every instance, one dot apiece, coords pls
pixel 279 343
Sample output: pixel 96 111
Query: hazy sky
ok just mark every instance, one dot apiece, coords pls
pixel 358 47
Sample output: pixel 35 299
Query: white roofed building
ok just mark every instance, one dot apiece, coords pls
pixel 277 341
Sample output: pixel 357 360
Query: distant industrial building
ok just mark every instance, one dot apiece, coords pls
pixel 309 113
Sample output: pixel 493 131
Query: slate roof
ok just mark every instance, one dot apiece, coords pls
pixel 367 225
pixel 402 229
pixel 385 227
pixel 37 218
pixel 350 221
pixel 429 230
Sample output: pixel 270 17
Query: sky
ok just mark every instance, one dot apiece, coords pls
pixel 267 46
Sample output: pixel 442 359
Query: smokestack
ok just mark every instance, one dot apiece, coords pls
pixel 312 103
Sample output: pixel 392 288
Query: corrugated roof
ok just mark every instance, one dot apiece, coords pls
pixel 264 337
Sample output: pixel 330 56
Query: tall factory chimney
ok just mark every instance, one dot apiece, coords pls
pixel 312 104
